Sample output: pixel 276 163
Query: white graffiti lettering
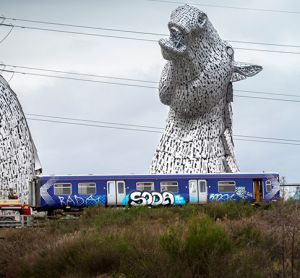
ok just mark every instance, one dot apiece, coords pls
pixel 222 197
pixel 62 201
pixel 168 198
pixel 70 201
pixel 157 199
pixel 77 201
pixel 138 198
pixel 242 192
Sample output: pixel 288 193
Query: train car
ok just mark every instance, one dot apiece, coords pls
pixel 290 191
pixel 61 192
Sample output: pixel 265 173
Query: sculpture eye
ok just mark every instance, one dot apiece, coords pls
pixel 229 51
pixel 202 19
pixel 177 37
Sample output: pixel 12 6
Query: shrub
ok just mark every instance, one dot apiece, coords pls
pixel 230 210
pixel 203 245
pixel 85 256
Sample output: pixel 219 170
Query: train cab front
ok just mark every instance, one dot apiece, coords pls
pixel 266 189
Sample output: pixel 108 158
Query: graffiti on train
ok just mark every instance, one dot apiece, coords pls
pixel 222 197
pixel 78 201
pixel 139 198
pixel 240 194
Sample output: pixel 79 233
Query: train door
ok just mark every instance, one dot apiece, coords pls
pixel 116 192
pixel 198 191
pixel 257 190
pixel 202 189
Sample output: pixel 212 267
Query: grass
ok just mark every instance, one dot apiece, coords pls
pixel 228 240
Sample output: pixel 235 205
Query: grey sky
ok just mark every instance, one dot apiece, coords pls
pixel 78 149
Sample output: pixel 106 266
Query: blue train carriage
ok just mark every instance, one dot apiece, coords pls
pixel 61 192
pixel 290 191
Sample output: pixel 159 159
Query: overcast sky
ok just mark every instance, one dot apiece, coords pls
pixel 71 149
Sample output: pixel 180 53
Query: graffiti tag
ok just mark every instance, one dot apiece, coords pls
pixel 243 193
pixel 222 197
pixel 77 201
pixel 240 193
pixel 138 198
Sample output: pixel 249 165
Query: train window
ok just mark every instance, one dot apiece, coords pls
pixel 193 186
pixel 145 186
pixel 121 187
pixel 86 188
pixel 202 186
pixel 226 186
pixel 62 189
pixel 170 186
pixel 110 184
pixel 268 186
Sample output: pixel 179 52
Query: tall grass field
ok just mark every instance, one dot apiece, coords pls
pixel 213 240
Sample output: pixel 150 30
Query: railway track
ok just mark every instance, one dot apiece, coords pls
pixel 42 221
pixel 36 220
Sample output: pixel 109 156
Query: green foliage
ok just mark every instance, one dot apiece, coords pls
pixel 202 246
pixel 230 210
pixel 102 217
pixel 172 242
pixel 212 240
pixel 248 234
pixel 205 239
pixel 89 255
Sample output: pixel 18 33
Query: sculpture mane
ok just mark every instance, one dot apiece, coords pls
pixel 196 83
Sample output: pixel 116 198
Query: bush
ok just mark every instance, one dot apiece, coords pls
pixel 85 256
pixel 159 242
pixel 230 210
pixel 203 245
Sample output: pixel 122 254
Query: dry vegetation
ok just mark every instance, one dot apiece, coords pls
pixel 216 240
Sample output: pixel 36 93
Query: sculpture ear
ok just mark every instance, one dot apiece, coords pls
pixel 242 71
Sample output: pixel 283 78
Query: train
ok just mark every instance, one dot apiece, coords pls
pixel 51 192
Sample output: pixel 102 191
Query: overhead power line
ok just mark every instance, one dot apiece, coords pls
pixel 94 121
pixel 121 127
pixel 275 99
pixel 266 50
pixel 126 79
pixel 133 31
pixel 94 125
pixel 79 79
pixel 265 43
pixel 130 79
pixel 226 7
pixel 127 84
pixel 78 33
pixel 267 93
pixel 147 126
pixel 82 26
pixel 140 86
pixel 270 142
pixel 6 36
pixel 267 138
pixel 80 74
pixel 134 38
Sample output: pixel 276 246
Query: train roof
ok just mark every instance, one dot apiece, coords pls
pixel 208 175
